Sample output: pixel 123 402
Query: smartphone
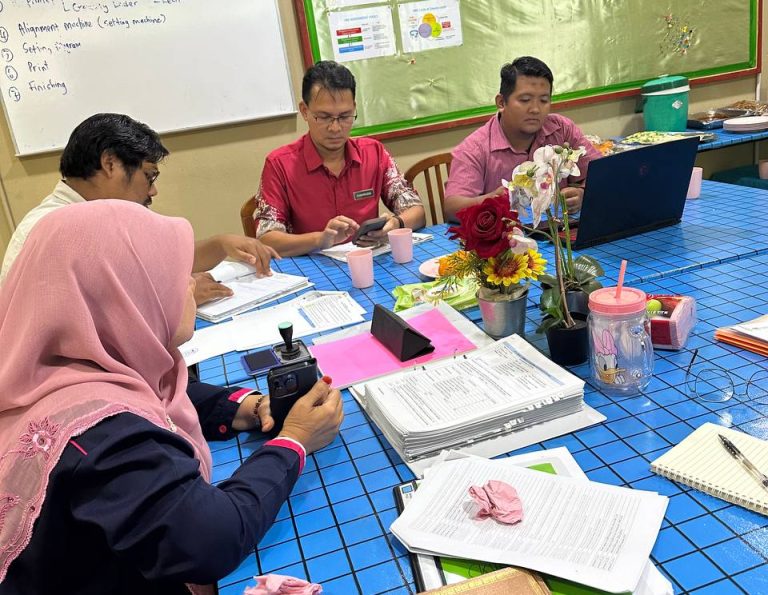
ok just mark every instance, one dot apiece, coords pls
pixel 370 225
pixel 287 384
pixel 259 362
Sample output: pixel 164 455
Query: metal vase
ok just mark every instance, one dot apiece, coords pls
pixel 502 318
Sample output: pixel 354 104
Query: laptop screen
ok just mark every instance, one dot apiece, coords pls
pixel 635 191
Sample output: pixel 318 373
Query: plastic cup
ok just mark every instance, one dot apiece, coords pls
pixel 694 187
pixel 762 169
pixel 360 268
pixel 401 242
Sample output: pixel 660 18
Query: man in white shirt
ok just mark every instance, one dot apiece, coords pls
pixel 114 156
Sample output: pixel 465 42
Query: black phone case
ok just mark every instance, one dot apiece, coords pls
pixel 287 383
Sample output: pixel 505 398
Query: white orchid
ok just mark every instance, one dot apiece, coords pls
pixel 536 183
pixel 519 244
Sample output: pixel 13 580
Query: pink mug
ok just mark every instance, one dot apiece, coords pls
pixel 360 267
pixel 401 242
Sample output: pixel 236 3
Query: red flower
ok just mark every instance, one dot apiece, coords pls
pixel 484 227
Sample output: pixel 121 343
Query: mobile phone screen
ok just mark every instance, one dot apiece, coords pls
pixel 259 362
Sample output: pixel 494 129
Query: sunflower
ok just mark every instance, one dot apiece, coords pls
pixel 506 270
pixel 536 264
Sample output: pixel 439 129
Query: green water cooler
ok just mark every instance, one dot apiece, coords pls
pixel 665 103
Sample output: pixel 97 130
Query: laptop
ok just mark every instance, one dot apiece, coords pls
pixel 635 191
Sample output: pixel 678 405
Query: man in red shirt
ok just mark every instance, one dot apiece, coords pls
pixel 316 191
pixel 522 125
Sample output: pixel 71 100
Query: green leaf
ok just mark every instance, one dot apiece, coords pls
pixel 548 323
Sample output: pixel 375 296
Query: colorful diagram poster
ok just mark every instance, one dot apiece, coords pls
pixel 362 33
pixel 430 25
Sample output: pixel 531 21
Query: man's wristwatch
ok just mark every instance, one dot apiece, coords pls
pixel 400 221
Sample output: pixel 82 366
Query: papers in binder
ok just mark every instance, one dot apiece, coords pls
pixel 498 389
pixel 250 290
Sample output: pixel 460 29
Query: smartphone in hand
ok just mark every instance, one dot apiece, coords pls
pixel 369 225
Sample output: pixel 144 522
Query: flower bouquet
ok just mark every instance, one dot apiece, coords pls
pixel 495 253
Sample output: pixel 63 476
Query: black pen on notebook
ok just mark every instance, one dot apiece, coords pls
pixel 737 454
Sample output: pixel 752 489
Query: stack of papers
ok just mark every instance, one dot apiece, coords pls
pixel 311 313
pixel 752 335
pixel 250 290
pixel 499 389
pixel 590 533
pixel 340 251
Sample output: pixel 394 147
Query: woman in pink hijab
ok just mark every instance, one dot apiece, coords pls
pixel 104 467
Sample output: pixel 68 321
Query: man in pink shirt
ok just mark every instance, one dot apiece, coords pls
pixel 316 191
pixel 522 125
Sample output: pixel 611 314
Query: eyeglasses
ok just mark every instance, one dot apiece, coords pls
pixel 152 177
pixel 716 385
pixel 344 121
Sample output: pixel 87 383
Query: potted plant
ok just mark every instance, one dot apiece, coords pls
pixel 496 254
pixel 536 185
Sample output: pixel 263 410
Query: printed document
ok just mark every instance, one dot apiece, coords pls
pixel 507 374
pixel 590 533
pixel 310 313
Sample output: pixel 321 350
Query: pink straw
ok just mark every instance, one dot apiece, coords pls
pixel 622 270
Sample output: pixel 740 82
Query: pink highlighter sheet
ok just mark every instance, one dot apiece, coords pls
pixel 361 357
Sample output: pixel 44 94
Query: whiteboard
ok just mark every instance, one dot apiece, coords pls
pixel 172 64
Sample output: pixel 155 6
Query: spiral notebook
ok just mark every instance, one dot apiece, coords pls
pixel 701 461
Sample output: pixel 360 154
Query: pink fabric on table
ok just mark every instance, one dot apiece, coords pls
pixel 277 584
pixel 361 357
pixel 485 157
pixel 499 501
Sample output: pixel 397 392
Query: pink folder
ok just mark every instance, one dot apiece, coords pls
pixel 361 357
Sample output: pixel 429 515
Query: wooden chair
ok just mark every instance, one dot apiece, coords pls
pixel 246 217
pixel 427 166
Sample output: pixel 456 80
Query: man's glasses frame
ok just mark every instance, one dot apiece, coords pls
pixel 343 121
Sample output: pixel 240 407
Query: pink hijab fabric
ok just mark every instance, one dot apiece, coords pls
pixel 87 314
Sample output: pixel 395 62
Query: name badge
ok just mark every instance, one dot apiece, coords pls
pixel 361 194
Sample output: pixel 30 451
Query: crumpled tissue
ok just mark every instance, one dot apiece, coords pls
pixel 277 584
pixel 499 501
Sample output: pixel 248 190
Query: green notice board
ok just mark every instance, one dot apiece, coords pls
pixel 427 62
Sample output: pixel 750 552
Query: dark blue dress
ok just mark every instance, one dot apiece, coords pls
pixel 134 516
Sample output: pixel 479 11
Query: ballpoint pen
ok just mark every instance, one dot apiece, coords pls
pixel 737 454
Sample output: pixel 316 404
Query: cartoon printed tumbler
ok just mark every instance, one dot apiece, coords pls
pixel 621 352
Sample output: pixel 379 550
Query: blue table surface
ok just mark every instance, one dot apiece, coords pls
pixel 334 529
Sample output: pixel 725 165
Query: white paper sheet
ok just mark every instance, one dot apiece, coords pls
pixel 340 251
pixel 313 312
pixel 590 533
pixel 652 582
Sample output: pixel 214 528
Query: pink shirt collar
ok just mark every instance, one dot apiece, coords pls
pixel 499 142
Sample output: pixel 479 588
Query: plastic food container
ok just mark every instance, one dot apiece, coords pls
pixel 672 319
pixel 665 103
